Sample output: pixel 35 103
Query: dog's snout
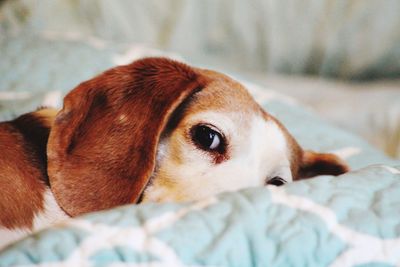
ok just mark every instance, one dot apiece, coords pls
pixel 277 181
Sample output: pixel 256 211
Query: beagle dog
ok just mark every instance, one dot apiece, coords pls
pixel 155 130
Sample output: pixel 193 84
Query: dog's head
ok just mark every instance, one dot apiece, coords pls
pixel 159 130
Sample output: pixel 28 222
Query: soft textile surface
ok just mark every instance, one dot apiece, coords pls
pixel 337 38
pixel 43 68
pixel 376 118
pixel 39 70
pixel 351 220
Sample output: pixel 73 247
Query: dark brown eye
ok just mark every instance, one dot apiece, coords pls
pixel 207 139
pixel 277 181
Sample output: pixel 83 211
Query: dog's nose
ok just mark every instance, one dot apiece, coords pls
pixel 277 181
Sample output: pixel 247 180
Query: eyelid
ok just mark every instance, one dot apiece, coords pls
pixel 217 155
pixel 212 126
pixel 275 179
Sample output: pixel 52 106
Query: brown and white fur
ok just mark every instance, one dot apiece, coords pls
pixel 136 134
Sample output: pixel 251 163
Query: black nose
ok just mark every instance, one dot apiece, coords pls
pixel 277 181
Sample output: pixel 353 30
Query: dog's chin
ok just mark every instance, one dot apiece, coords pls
pixel 156 193
pixel 160 196
pixel 164 195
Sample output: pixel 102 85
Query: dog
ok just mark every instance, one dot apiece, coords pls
pixel 155 130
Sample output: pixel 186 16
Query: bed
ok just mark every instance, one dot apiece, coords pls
pixel 349 220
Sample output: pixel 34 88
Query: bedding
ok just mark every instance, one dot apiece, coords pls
pixel 339 39
pixel 350 220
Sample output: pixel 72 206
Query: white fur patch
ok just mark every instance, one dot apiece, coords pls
pixel 51 214
pixel 257 151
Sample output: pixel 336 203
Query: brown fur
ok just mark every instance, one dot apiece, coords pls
pixel 313 164
pixel 307 164
pixel 23 174
pixel 102 147
pixel 228 96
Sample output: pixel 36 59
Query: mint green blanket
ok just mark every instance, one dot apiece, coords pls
pixel 350 220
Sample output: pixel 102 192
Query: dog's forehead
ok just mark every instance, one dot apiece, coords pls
pixel 223 94
pixel 223 97
pixel 227 102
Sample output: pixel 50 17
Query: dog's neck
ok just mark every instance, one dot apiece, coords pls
pixel 26 203
pixel 34 128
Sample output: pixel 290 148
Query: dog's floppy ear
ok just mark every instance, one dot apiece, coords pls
pixel 313 164
pixel 102 147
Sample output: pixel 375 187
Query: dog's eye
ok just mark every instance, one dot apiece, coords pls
pixel 277 181
pixel 206 138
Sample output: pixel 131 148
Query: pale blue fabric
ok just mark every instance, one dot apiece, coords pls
pixel 247 228
pixel 240 229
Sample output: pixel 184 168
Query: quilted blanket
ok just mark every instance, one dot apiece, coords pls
pixel 350 220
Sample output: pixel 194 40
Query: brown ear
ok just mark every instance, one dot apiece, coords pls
pixel 102 147
pixel 313 164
